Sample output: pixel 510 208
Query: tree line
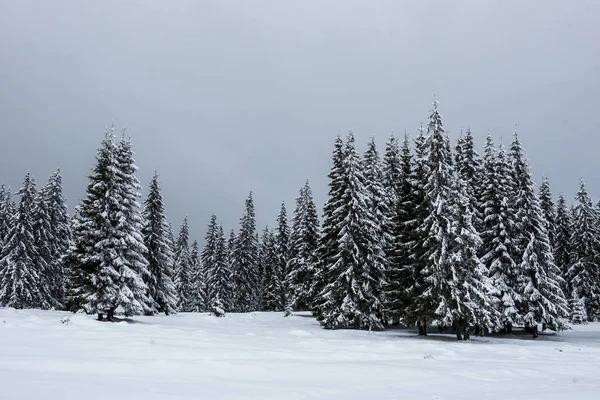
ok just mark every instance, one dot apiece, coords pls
pixel 428 232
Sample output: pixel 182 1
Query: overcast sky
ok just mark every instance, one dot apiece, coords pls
pixel 224 97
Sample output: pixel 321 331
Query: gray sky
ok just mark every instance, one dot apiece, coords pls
pixel 223 97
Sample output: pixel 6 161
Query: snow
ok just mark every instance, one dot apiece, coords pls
pixel 59 355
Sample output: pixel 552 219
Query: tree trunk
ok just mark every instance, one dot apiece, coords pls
pixel 534 330
pixel 467 333
pixel 544 327
pixel 100 316
pixel 457 329
pixel 508 328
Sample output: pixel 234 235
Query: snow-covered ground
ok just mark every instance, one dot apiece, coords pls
pixel 265 356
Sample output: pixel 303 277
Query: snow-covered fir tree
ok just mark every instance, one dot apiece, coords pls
pixel 563 245
pixel 42 231
pixel 379 200
pixel 436 226
pixel 399 268
pixel 245 271
pixel 135 266
pixel 7 213
pixel 209 255
pixel 270 269
pixel 198 279
pixel 548 211
pixel 542 298
pixel 107 259
pixel 499 234
pixel 468 165
pixel 218 280
pixel 160 280
pixel 53 236
pixel 583 275
pixel 22 266
pixel 578 315
pixel 302 266
pixel 392 176
pixel 275 283
pixel 467 300
pixel 328 242
pixel 352 297
pixel 184 270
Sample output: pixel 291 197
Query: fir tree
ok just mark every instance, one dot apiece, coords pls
pixel 219 278
pixel 53 236
pixel 547 206
pixel 156 232
pixel 436 226
pixel 468 300
pixel 303 248
pixel 209 255
pixel 543 300
pixel 399 275
pixel 353 293
pixel 499 235
pixel 563 246
pixel 134 270
pixel 328 243
pixel 184 270
pixel 7 213
pixel 583 274
pixel 379 201
pixel 44 242
pixel 21 263
pixel 276 286
pixel 468 165
pixel 392 172
pixel 198 279
pixel 245 272
pixel 577 308
pixel 269 265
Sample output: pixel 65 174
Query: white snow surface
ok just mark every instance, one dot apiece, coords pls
pixel 266 356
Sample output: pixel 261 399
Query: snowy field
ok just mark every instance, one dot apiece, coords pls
pixel 265 356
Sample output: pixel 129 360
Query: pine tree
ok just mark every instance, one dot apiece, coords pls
pixel 161 287
pixel 469 300
pixel 353 293
pixel 328 243
pixel 134 269
pixel 276 288
pixel 53 239
pixel 577 308
pixel 399 276
pixel 304 242
pixel 563 246
pixel 436 226
pixel 198 279
pixel 219 278
pixel 184 270
pixel 245 272
pixel 7 213
pixel 543 300
pixel 94 278
pixel 583 274
pixel 547 206
pixel 44 242
pixel 269 265
pixel 392 173
pixel 107 260
pixel 209 255
pixel 468 164
pixel 499 235
pixel 21 263
pixel 379 200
